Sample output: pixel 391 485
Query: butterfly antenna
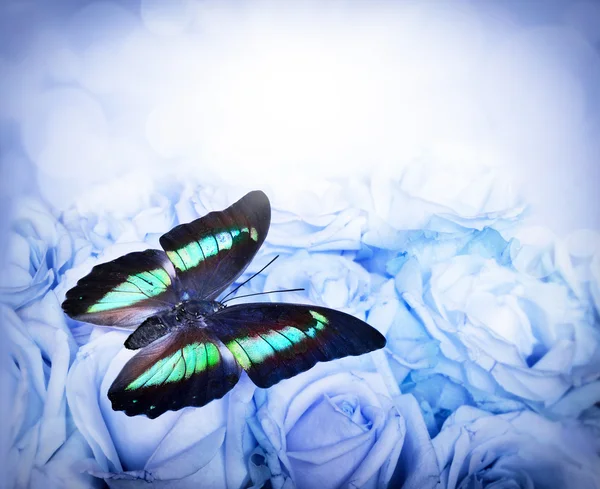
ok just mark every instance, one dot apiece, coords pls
pixel 248 280
pixel 261 293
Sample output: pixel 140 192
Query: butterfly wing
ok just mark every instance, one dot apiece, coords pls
pixel 181 365
pixel 124 292
pixel 211 252
pixel 186 367
pixel 275 341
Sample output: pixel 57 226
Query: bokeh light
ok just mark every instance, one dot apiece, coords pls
pixel 268 92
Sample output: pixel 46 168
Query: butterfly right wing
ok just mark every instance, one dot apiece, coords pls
pixel 186 367
pixel 276 341
pixel 124 292
pixel 190 364
pixel 212 251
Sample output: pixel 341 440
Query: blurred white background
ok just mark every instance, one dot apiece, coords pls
pixel 273 92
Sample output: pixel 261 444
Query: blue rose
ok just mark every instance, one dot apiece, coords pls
pixel 573 261
pixel 39 251
pixel 195 446
pixel 595 281
pixel 331 427
pixel 38 344
pixel 144 212
pixel 328 280
pixel 38 353
pixel 418 198
pixel 316 217
pixel 519 449
pixel 413 354
pixel 500 331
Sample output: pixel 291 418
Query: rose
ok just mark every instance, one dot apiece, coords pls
pixel 337 282
pixel 38 344
pixel 519 449
pixel 429 248
pixel 532 338
pixel 439 396
pixel 573 261
pixel 331 428
pixel 144 211
pixel 439 292
pixel 316 216
pixel 38 352
pixel 595 281
pixel 39 251
pixel 408 344
pixel 504 332
pixel 414 355
pixel 328 280
pixel 418 197
pixel 207 445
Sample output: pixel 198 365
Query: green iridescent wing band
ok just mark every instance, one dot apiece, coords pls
pixel 275 341
pixel 125 291
pixel 187 367
pixel 211 252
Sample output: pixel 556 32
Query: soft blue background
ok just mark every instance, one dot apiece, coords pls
pixel 432 170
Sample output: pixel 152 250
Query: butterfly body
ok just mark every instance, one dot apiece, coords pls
pixel 186 314
pixel 193 349
pixel 196 309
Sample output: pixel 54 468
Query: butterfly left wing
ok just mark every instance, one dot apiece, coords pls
pixel 124 292
pixel 212 251
pixel 275 341
pixel 186 367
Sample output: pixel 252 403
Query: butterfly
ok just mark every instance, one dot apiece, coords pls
pixel 193 348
